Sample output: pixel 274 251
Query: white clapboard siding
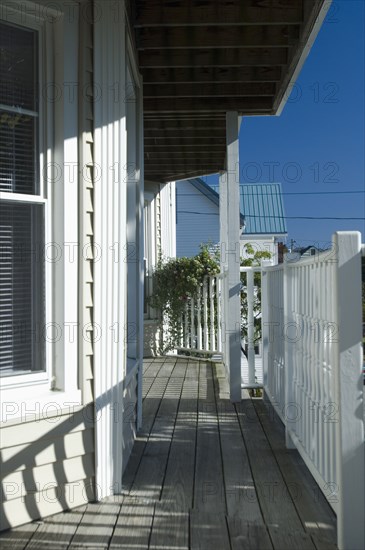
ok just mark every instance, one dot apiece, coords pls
pixel 73 445
pixel 68 470
pixel 47 502
pixel 193 229
pixel 40 459
pixel 50 427
pixel 48 463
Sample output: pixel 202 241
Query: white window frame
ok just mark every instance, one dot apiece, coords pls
pixel 25 396
pixel 37 377
pixel 149 248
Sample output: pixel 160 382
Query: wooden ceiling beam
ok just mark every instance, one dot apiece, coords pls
pixel 190 149
pixel 172 173
pixel 176 156
pixel 259 36
pixel 225 12
pixel 210 90
pixel 185 164
pixel 171 118
pixel 186 134
pixel 211 74
pixel 173 176
pixel 182 140
pixel 185 125
pixel 229 57
pixel 241 104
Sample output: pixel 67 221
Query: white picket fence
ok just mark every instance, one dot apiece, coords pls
pixel 312 361
pixel 251 366
pixel 201 323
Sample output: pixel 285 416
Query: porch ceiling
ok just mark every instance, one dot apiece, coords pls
pixel 202 58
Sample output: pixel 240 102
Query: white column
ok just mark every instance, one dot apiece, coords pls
pixel 223 239
pixel 232 253
pixel 350 424
pixel 289 357
pixel 140 157
pixel 250 327
pixel 110 149
pixel 265 331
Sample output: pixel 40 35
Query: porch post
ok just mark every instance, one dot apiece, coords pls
pixel 223 239
pixel 349 421
pixel 230 253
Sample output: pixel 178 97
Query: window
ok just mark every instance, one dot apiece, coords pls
pixel 149 252
pixel 23 203
pixel 38 235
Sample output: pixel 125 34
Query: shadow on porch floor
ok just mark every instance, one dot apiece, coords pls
pixel 203 474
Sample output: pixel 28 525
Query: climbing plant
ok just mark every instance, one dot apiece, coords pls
pixel 176 280
pixel 254 259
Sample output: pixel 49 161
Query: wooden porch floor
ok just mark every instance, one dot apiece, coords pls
pixel 204 474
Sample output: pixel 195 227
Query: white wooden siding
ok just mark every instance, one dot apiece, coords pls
pixel 47 466
pixel 86 226
pixel 168 220
pixel 118 171
pixel 194 229
pixel 165 241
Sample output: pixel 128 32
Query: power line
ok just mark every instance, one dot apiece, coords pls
pixel 325 193
pixel 275 217
pixel 289 193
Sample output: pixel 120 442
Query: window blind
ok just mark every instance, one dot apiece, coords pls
pixel 18 109
pixel 21 287
pixel 22 283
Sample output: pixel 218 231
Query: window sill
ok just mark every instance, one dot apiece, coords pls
pixel 36 404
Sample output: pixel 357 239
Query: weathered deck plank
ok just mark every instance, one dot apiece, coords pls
pixel 209 491
pixel 18 538
pixel 96 526
pixel 178 485
pixel 170 529
pixel 151 406
pixel 284 539
pixel 248 535
pixel 56 531
pixel 318 520
pixel 277 507
pixel 133 526
pixel 151 472
pixel 208 530
pixel 241 496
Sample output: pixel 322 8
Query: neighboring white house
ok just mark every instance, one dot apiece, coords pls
pixel 159 241
pixel 262 217
pixel 91 107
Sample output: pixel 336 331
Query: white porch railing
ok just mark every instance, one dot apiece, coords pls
pixel 251 364
pixel 312 364
pixel 313 372
pixel 201 322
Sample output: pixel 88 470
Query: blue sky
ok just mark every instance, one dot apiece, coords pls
pixel 317 144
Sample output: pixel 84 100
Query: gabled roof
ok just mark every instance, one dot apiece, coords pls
pixel 211 194
pixel 262 208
